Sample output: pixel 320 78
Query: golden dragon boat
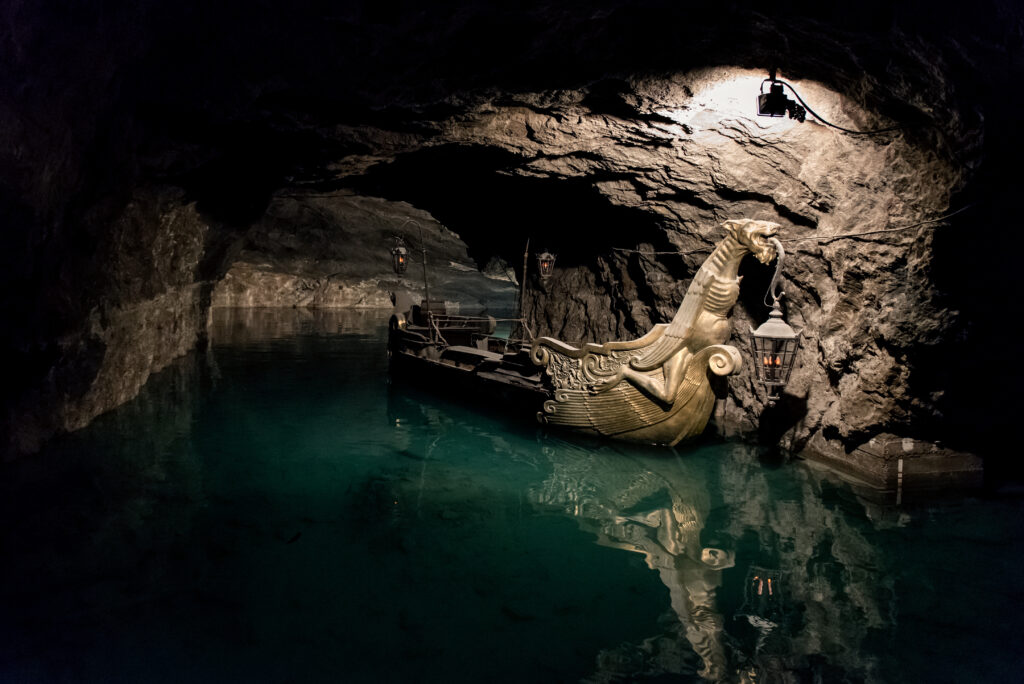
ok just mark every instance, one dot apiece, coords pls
pixel 656 389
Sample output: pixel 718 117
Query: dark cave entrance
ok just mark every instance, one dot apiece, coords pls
pixel 483 196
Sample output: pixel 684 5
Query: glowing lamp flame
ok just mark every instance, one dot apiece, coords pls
pixel 546 264
pixel 776 344
pixel 399 257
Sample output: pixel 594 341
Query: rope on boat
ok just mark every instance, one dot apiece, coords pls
pixel 476 319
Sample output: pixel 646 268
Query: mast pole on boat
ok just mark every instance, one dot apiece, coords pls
pixel 522 289
pixel 522 280
pixel 423 251
pixel 423 261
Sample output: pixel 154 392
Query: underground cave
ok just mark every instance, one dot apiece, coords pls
pixel 354 341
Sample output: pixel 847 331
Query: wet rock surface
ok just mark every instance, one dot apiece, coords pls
pixel 153 164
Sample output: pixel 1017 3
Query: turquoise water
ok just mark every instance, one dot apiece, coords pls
pixel 274 510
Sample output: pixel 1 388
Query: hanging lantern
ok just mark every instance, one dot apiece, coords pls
pixel 399 256
pixel 774 342
pixel 775 345
pixel 545 264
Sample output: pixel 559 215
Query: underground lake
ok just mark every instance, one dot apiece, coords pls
pixel 274 508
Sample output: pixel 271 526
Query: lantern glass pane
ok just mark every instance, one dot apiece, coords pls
pixel 399 260
pixel 774 359
pixel 545 264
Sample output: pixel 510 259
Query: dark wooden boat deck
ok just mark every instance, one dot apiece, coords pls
pixel 462 354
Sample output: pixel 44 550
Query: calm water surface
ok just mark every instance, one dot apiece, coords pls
pixel 274 510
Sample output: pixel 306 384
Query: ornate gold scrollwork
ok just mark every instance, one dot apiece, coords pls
pixel 726 360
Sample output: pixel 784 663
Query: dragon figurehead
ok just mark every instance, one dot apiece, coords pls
pixel 657 388
pixel 754 235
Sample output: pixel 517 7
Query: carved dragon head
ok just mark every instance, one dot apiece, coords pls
pixel 754 236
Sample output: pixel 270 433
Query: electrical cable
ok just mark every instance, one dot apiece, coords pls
pixel 822 119
pixel 829 238
pixel 819 238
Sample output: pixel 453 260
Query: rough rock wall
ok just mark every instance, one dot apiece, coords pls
pixel 250 285
pixel 666 161
pixel 649 165
pixel 332 250
pixel 523 120
pixel 152 309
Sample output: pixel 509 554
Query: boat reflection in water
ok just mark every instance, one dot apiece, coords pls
pixel 770 573
pixel 767 541
pixel 657 508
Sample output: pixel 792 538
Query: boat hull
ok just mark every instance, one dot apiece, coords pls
pixel 468 373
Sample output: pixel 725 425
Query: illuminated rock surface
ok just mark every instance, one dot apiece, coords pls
pixel 146 150
pixel 333 251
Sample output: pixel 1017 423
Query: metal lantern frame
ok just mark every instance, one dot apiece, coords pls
pixel 774 343
pixel 400 256
pixel 546 264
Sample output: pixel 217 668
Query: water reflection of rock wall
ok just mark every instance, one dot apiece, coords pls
pixel 240 325
pixel 838 588
pixel 766 582
pixel 111 514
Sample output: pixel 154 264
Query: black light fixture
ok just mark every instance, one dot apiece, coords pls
pixel 774 342
pixel 399 256
pixel 546 264
pixel 775 103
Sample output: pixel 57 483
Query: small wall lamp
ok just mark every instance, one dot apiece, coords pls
pixel 774 342
pixel 775 345
pixel 399 256
pixel 546 264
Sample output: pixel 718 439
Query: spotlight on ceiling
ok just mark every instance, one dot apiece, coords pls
pixel 775 102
